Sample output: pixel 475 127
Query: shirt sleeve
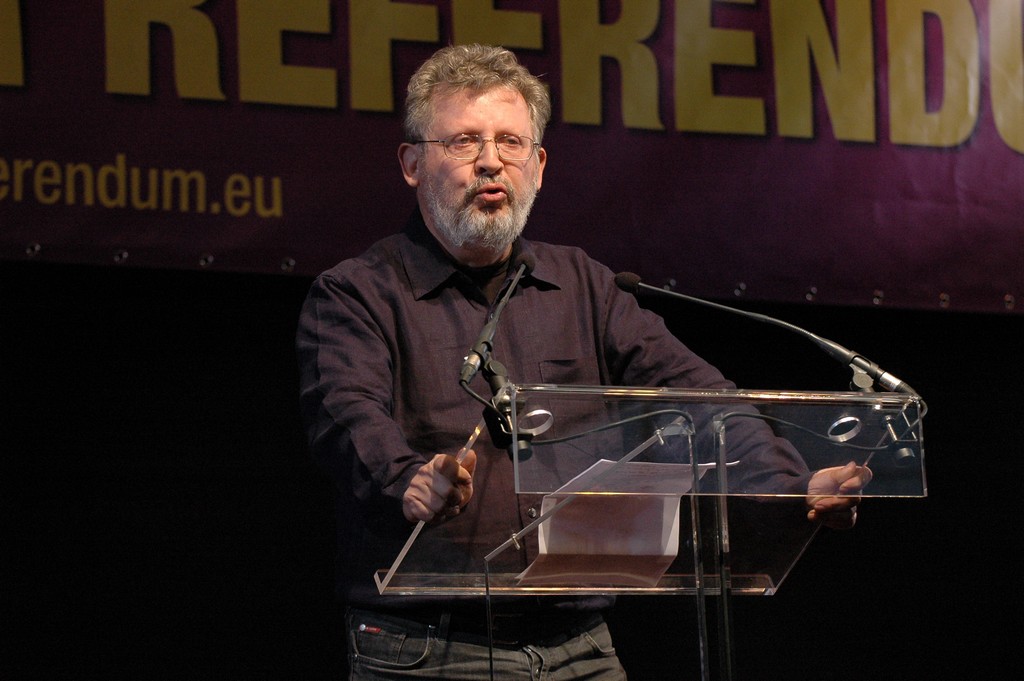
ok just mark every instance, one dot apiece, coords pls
pixel 347 394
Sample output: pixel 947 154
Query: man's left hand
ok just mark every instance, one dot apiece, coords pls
pixel 823 504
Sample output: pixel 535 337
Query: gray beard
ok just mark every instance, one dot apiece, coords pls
pixel 464 224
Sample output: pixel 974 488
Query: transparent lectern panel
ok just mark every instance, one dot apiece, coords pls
pixel 745 443
pixel 630 490
pixel 768 535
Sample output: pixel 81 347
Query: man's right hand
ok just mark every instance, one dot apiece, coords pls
pixel 440 489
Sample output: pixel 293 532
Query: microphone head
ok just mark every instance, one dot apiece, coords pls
pixel 526 259
pixel 628 282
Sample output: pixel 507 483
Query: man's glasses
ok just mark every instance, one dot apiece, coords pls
pixel 463 146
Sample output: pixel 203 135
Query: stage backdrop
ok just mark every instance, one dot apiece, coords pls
pixel 841 151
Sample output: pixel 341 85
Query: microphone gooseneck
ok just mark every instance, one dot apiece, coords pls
pixel 481 350
pixel 498 411
pixel 631 283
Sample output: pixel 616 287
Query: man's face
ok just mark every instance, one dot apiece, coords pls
pixel 475 207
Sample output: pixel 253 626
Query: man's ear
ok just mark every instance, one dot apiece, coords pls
pixel 409 158
pixel 542 160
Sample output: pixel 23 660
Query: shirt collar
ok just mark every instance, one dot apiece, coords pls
pixel 429 267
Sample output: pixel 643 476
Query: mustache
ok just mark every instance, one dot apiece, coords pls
pixel 471 191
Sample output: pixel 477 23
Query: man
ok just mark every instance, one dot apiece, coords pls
pixel 380 342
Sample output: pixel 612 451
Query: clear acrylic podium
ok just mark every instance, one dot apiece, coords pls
pixel 664 492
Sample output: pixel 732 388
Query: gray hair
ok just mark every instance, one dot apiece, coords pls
pixel 472 67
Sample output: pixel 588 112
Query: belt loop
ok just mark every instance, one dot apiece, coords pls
pixel 443 626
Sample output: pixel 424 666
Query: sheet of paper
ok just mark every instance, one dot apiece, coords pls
pixel 623 531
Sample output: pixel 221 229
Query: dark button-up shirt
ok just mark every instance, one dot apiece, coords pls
pixel 381 340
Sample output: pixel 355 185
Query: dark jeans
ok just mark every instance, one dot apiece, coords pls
pixel 383 647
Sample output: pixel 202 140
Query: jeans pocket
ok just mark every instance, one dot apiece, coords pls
pixel 600 640
pixel 381 646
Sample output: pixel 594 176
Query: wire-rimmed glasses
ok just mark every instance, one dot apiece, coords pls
pixel 464 146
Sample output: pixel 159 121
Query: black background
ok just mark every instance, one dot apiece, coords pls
pixel 161 518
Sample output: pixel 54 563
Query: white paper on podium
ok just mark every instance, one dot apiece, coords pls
pixel 621 531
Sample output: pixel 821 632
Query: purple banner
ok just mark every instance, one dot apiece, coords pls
pixel 847 151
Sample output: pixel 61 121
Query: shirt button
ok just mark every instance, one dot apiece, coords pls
pixel 531 512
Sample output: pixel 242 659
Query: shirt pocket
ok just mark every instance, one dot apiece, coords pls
pixel 570 371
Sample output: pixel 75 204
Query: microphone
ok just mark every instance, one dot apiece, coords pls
pixel 630 283
pixel 478 354
pixel 498 412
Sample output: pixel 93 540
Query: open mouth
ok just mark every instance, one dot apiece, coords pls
pixel 492 193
